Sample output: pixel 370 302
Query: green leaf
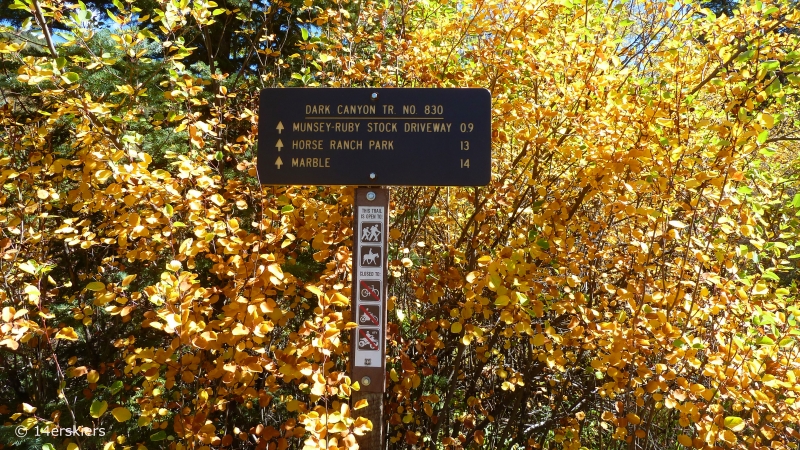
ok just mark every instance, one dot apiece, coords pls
pixel 771 10
pixel 734 423
pixel 113 17
pixel 762 137
pixel 287 209
pixel 770 65
pixel 160 436
pixel 770 275
pixel 98 408
pixel 746 56
pixel 19 5
pixel 304 32
pixel 764 318
pixel 774 87
pixel 766 151
pixel 48 447
pixel 765 340
pixel 796 201
pixel 116 387
pixel 70 77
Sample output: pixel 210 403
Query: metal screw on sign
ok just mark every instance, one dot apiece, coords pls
pixel 370 196
pixel 366 381
pixel 372 176
pixel 374 95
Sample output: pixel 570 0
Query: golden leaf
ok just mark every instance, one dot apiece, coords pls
pixel 276 270
pixel 121 414
pixel 67 333
pixel 96 286
pixel 314 290
pixel 502 300
pixel 217 200
pixel 363 403
pixel 127 280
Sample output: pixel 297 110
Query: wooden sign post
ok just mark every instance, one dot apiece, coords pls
pixel 368 300
pixel 386 136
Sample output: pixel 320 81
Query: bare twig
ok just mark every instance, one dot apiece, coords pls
pixel 46 31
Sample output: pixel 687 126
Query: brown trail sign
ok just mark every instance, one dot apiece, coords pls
pixel 381 136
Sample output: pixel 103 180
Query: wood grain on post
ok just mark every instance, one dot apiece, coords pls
pixel 373 440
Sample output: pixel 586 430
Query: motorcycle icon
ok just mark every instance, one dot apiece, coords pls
pixel 368 340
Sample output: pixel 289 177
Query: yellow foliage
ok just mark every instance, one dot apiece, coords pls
pixel 629 268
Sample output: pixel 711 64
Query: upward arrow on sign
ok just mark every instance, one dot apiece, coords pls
pixel 278 162
pixel 279 127
pixel 279 145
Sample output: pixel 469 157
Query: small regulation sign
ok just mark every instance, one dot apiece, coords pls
pixel 369 289
pixel 375 136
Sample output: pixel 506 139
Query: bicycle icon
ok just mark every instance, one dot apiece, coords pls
pixel 370 291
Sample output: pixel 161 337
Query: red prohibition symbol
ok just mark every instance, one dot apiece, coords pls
pixel 369 339
pixel 372 293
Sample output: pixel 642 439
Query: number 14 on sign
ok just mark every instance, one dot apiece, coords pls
pixel 465 163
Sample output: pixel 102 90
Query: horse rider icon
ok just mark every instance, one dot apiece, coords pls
pixel 370 257
pixel 371 234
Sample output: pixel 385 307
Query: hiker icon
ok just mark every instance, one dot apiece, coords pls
pixel 371 232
